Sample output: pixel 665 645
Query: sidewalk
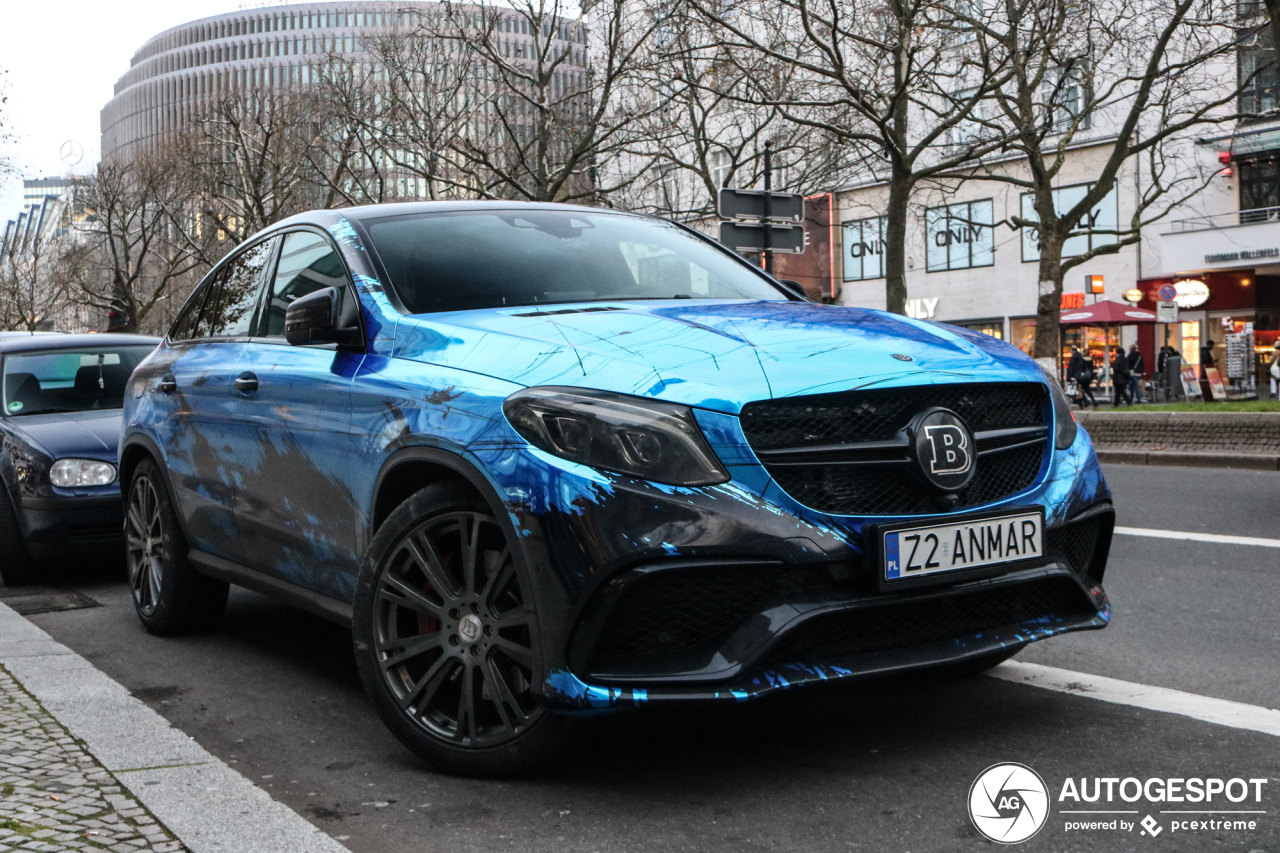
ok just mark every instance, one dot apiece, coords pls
pixel 54 797
pixel 86 766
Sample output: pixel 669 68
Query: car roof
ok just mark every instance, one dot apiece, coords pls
pixel 23 342
pixel 377 211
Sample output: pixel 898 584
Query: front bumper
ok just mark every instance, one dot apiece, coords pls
pixel 69 527
pixel 756 593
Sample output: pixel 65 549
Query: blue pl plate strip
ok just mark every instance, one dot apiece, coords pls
pixel 891 568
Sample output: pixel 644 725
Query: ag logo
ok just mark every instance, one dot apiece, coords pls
pixel 1008 803
pixel 943 448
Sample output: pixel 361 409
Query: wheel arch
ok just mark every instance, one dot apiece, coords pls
pixel 411 468
pixel 134 448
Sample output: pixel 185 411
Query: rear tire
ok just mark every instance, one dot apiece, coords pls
pixel 446 638
pixel 16 566
pixel 169 595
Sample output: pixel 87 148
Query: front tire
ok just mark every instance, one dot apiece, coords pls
pixel 446 637
pixel 169 595
pixel 16 566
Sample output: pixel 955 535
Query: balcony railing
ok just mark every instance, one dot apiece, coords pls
pixel 1256 216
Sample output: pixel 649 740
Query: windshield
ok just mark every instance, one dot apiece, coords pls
pixel 462 260
pixel 69 380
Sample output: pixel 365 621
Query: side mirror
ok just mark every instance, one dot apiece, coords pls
pixel 314 319
pixel 794 286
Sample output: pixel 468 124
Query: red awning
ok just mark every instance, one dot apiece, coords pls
pixel 1107 313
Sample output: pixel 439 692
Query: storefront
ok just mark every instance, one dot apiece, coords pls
pixel 1233 299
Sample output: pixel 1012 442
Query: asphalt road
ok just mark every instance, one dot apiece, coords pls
pixel 877 765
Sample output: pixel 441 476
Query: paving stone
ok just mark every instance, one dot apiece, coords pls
pixel 57 795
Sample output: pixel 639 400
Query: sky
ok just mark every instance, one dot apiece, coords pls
pixel 63 62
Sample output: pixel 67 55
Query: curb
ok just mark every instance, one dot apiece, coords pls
pixel 207 805
pixel 1191 459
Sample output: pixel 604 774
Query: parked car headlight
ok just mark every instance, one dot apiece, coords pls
pixel 1064 422
pixel 67 473
pixel 647 439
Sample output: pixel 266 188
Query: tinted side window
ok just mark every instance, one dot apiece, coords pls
pixel 307 263
pixel 229 310
pixel 184 328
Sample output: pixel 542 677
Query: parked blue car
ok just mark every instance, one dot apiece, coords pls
pixel 546 459
pixel 60 407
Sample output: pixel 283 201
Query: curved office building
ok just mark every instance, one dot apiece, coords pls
pixel 176 71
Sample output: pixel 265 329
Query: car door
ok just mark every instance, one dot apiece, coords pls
pixel 297 516
pixel 206 452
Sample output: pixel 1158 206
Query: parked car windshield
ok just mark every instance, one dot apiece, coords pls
pixel 463 260
pixel 69 380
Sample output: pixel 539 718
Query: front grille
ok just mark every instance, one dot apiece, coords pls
pixel 879 415
pixel 876 415
pixel 893 491
pixel 680 610
pixel 911 622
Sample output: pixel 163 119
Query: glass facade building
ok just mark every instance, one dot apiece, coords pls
pixel 181 69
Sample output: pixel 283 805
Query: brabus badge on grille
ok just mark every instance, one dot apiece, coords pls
pixel 943 448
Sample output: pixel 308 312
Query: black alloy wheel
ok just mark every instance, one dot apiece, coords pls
pixel 446 635
pixel 169 596
pixel 144 541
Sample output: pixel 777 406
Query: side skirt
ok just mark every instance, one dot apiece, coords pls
pixel 313 602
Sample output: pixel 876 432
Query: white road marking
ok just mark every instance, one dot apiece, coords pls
pixel 1222 712
pixel 1200 537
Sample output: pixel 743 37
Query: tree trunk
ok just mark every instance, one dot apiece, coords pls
pixel 1048 348
pixel 895 250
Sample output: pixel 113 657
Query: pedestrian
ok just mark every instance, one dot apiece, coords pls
pixel 1137 367
pixel 1206 356
pixel 1084 376
pixel 1120 376
pixel 1073 371
pixel 1274 370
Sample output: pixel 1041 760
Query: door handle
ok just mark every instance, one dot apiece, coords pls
pixel 167 384
pixel 246 383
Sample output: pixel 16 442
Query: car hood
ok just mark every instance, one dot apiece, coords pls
pixel 91 435
pixel 713 354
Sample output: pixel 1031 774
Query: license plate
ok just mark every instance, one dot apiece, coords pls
pixel 918 551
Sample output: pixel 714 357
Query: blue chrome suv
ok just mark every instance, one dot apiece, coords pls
pixel 546 459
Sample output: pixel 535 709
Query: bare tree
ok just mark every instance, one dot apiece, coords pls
pixel 32 286
pixel 133 253
pixel 251 160
pixel 1134 79
pixel 706 134
pixel 6 137
pixel 896 82
pixel 427 100
pixel 559 95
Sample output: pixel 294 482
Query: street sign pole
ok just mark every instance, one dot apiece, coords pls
pixel 766 220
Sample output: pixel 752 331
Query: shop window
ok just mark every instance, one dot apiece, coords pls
pixel 959 236
pixel 994 328
pixel 1259 186
pixel 864 245
pixel 1022 334
pixel 1256 67
pixel 1190 342
pixel 1102 218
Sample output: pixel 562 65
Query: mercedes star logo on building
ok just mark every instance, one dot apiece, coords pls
pixel 1008 803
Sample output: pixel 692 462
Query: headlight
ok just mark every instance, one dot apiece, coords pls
pixel 1064 422
pixel 67 473
pixel 647 439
